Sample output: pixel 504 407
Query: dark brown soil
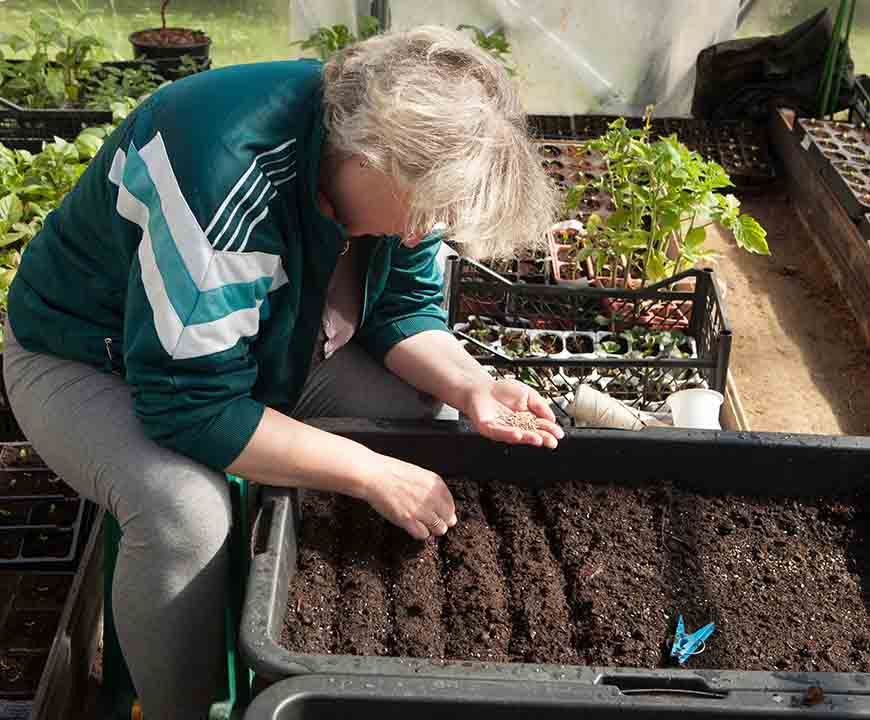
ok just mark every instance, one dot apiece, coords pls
pixel 592 575
pixel 476 605
pixel 608 541
pixel 418 593
pixel 170 37
pixel 316 590
pixel 363 621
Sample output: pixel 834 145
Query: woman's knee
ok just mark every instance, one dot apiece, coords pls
pixel 183 505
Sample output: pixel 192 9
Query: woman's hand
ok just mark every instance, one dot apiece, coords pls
pixel 492 406
pixel 415 499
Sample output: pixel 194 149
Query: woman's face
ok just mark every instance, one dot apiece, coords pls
pixel 366 201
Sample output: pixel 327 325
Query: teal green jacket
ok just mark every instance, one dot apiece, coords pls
pixel 192 259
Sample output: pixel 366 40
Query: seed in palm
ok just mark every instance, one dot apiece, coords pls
pixel 520 420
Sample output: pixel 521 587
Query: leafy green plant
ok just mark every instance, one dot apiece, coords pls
pixel 329 40
pixel 113 83
pixel 494 42
pixel 59 59
pixel 31 186
pixel 666 197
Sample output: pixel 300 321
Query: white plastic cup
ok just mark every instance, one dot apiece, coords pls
pixel 696 408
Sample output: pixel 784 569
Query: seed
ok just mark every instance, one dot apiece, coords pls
pixel 521 420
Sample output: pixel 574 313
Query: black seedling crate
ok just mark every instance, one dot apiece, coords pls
pixel 772 465
pixel 743 150
pixel 43 522
pixel 640 376
pixel 27 129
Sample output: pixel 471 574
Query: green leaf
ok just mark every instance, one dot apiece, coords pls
pixel 11 208
pixel 657 267
pixel 16 42
pixel 618 219
pixel 750 235
pixel 695 238
pixel 88 145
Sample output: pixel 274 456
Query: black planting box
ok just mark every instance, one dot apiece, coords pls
pixel 768 464
pixel 610 698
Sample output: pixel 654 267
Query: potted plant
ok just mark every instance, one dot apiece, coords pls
pixel 60 58
pixel 580 344
pixel 483 329
pixel 516 343
pixel 547 344
pixel 613 344
pixel 172 49
pixel 665 197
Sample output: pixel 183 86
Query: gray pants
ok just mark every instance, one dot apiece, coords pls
pixel 170 579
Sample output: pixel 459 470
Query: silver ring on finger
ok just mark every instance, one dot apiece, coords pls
pixel 435 523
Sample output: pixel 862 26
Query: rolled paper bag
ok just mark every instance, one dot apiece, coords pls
pixel 592 408
pixel 696 408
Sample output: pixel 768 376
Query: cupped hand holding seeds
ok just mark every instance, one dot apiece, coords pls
pixel 509 411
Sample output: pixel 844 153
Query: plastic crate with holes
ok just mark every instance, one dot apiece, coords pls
pixel 638 346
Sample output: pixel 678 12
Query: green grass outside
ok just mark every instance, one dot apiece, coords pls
pixel 259 32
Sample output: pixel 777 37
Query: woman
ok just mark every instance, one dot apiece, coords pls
pixel 197 290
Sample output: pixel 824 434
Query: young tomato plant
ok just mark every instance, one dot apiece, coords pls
pixel 327 41
pixel 59 60
pixel 666 197
pixel 494 42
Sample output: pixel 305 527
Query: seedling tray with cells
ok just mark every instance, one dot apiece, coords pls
pixel 42 520
pixel 31 604
pixel 742 149
pixel 562 569
pixel 568 164
pixel 842 152
pixel 553 338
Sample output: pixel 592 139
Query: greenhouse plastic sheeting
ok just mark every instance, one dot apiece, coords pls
pixel 595 56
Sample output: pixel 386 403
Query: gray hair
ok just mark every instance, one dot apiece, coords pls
pixel 442 116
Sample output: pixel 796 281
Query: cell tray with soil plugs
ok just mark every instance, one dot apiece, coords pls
pixel 42 520
pixel 549 577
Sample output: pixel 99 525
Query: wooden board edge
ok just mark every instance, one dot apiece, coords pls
pixel 733 415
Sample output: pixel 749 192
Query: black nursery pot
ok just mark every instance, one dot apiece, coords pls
pixel 166 58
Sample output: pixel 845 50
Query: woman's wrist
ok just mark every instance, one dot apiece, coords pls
pixel 470 384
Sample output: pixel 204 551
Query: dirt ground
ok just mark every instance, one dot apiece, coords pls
pixel 797 358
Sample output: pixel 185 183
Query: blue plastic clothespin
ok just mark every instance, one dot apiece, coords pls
pixel 687 645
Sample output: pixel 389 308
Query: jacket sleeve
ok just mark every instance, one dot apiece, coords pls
pixel 411 301
pixel 193 311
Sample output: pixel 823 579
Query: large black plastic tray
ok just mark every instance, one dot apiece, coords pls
pixel 27 129
pixel 742 149
pixel 782 465
pixel 390 698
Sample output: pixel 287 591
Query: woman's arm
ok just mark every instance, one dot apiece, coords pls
pixel 286 452
pixel 435 362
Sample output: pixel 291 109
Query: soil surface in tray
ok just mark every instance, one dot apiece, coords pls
pixel 592 575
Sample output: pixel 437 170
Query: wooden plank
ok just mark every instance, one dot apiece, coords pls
pixel 733 416
pixel 838 240
pixel 64 681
